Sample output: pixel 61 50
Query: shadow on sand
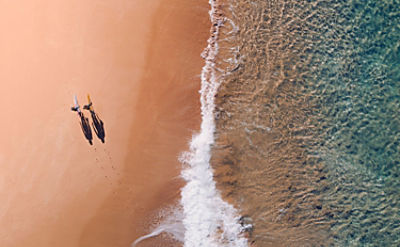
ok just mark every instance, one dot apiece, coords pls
pixel 87 131
pixel 97 123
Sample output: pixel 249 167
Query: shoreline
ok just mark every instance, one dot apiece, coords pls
pixel 160 131
pixel 208 219
pixel 60 191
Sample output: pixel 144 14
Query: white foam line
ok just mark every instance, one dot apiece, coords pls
pixel 171 225
pixel 208 220
pixel 154 233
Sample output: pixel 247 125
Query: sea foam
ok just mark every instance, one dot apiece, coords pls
pixel 203 219
pixel 208 220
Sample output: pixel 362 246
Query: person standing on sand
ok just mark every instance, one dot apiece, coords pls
pixel 87 131
pixel 97 123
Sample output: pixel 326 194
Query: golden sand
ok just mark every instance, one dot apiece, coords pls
pixel 140 62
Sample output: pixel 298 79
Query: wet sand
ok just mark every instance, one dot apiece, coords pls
pixel 140 62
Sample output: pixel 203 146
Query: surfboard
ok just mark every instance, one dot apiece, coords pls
pixel 77 107
pixel 90 103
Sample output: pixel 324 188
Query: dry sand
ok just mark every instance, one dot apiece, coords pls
pixel 139 60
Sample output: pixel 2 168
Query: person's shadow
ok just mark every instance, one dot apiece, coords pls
pixel 97 123
pixel 85 126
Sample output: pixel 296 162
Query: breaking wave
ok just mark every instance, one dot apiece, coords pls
pixel 205 219
pixel 208 220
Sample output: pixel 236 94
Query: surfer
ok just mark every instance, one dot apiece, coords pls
pixel 97 123
pixel 87 131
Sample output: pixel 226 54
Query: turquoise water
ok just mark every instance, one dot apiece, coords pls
pixel 309 120
pixel 356 90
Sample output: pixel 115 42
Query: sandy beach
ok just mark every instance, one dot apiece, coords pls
pixel 140 61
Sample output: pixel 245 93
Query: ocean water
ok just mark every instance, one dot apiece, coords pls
pixel 356 90
pixel 299 142
pixel 308 120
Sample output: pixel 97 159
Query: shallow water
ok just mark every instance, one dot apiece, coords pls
pixel 308 121
pixel 358 100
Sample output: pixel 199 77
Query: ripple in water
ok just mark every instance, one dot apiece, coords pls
pixel 308 121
